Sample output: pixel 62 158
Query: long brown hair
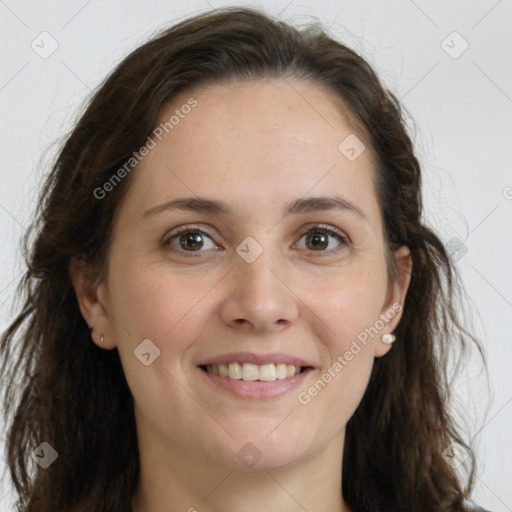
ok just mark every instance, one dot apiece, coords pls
pixel 62 389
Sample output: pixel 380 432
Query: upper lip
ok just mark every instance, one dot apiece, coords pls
pixel 259 359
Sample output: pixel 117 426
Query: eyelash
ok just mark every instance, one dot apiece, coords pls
pixel 317 227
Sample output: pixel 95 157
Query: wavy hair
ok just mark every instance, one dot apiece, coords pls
pixel 62 389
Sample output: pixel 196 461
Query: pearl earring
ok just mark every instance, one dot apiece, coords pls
pixel 102 339
pixel 388 338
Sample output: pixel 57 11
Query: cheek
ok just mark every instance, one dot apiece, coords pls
pixel 345 390
pixel 349 304
pixel 149 302
pixel 167 307
pixel 337 390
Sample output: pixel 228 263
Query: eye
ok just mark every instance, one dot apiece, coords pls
pixel 318 240
pixel 189 239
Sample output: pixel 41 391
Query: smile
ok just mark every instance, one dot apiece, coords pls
pixel 251 372
pixel 255 382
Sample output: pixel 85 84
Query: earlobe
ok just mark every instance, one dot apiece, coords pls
pixel 87 285
pixel 395 300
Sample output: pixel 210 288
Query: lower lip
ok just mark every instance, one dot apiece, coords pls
pixel 256 389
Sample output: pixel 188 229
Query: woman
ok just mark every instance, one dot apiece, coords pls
pixel 231 301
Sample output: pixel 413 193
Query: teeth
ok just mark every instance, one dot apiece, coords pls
pixel 223 369
pixel 291 370
pixel 250 372
pixel 281 371
pixel 268 372
pixel 234 371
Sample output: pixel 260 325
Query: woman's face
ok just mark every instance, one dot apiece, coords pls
pixel 275 278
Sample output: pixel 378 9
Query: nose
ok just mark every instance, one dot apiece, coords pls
pixel 258 297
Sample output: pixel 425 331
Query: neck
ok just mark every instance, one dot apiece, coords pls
pixel 175 480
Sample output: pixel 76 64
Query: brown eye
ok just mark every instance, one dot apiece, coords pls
pixel 189 240
pixel 319 239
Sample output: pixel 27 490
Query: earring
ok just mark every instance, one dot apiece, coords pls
pixel 102 339
pixel 388 338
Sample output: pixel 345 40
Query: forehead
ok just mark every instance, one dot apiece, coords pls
pixel 297 111
pixel 257 144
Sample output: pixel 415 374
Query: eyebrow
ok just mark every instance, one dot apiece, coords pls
pixel 295 207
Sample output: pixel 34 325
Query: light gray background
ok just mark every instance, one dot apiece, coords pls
pixel 462 109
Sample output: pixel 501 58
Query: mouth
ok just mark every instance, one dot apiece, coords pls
pixel 254 382
pixel 250 372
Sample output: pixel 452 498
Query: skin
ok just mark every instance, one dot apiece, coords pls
pixel 256 146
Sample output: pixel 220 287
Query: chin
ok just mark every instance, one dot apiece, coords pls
pixel 254 449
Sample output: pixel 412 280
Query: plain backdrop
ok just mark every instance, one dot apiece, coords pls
pixel 448 61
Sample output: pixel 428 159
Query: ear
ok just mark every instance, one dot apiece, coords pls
pixel 393 306
pixel 92 297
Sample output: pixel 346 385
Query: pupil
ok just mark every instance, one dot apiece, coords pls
pixel 191 240
pixel 318 240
